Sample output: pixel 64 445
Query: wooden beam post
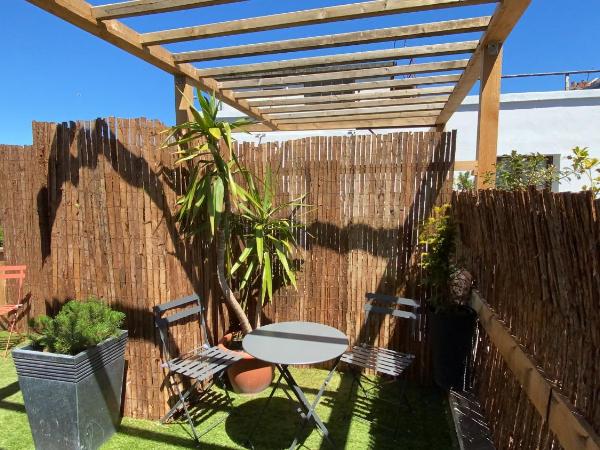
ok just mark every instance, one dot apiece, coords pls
pixel 489 112
pixel 184 94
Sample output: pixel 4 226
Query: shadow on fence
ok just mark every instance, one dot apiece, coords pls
pixel 108 152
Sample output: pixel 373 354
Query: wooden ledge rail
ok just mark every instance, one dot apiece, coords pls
pixel 465 166
pixel 571 429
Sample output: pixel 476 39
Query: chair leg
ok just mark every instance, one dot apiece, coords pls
pixel 354 381
pixel 223 384
pixel 11 329
pixel 182 401
pixel 178 406
pixel 402 391
pixel 403 400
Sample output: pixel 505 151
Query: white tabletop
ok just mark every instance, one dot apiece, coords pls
pixel 291 343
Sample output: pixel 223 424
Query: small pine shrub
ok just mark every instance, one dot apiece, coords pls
pixel 78 326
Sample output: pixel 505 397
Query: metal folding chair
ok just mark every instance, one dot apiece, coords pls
pixel 389 364
pixel 7 273
pixel 203 366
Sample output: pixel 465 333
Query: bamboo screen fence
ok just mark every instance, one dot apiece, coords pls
pixel 89 209
pixel 536 260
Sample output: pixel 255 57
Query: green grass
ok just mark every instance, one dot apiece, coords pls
pixel 424 426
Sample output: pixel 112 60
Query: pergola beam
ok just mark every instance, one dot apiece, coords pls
pixel 143 7
pixel 369 124
pixel 79 13
pixel 355 104
pixel 380 72
pixel 348 58
pixel 337 40
pixel 306 70
pixel 417 94
pixel 367 85
pixel 301 18
pixel 428 116
pixel 503 21
pixel 352 111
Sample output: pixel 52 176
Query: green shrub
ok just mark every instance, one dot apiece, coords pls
pixel 464 182
pixel 516 172
pixel 438 234
pixel 78 326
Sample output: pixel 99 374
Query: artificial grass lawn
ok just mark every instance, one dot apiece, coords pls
pixel 425 426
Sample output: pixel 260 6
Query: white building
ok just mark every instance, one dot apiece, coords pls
pixel 551 123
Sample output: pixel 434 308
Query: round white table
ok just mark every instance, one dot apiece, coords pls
pixel 294 343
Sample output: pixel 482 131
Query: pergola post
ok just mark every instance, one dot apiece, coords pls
pixel 184 94
pixel 489 113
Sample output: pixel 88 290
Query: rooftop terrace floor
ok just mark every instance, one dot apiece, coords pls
pixel 426 426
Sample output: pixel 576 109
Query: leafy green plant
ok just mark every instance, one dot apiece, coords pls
pixel 465 182
pixel 267 231
pixel 586 167
pixel 236 217
pixel 518 171
pixel 78 326
pixel 438 233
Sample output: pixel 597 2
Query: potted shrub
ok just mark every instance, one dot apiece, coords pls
pixel 451 320
pixel 71 376
pixel 254 237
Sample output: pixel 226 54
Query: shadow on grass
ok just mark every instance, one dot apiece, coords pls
pixel 10 406
pixel 9 389
pixel 165 439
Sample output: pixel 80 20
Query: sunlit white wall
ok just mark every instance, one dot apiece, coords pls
pixel 551 123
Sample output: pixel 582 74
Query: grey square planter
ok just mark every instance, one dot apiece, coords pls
pixel 72 402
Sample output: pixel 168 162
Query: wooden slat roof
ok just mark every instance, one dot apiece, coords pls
pixel 348 89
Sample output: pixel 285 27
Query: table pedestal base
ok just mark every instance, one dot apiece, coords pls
pixel 306 410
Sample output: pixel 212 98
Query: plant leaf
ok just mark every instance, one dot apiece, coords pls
pixel 284 262
pixel 259 236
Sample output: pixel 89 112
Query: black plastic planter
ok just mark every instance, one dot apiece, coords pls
pixel 72 402
pixel 451 335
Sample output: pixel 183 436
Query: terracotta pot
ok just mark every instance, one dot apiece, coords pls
pixel 249 375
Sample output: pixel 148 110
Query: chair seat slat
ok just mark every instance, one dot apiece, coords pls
pixel 367 365
pixel 393 371
pixel 387 357
pixel 381 360
pixel 374 360
pixel 204 364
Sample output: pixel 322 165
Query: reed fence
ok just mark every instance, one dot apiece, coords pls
pixel 89 208
pixel 536 260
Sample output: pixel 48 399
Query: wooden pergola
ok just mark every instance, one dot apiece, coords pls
pixel 346 90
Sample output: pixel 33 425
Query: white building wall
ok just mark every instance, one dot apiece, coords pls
pixel 550 123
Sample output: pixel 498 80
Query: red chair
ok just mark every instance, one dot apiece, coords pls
pixel 8 273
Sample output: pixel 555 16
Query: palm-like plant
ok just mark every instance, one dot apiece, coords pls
pixel 268 237
pixel 215 205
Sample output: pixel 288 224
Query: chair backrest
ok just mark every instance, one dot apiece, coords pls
pixel 12 273
pixel 397 307
pixel 185 307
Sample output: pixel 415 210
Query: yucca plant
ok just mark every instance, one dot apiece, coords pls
pixel 216 206
pixel 268 235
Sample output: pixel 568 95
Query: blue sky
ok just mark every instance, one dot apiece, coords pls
pixel 53 71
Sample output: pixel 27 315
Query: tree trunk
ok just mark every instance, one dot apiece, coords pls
pixel 230 299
